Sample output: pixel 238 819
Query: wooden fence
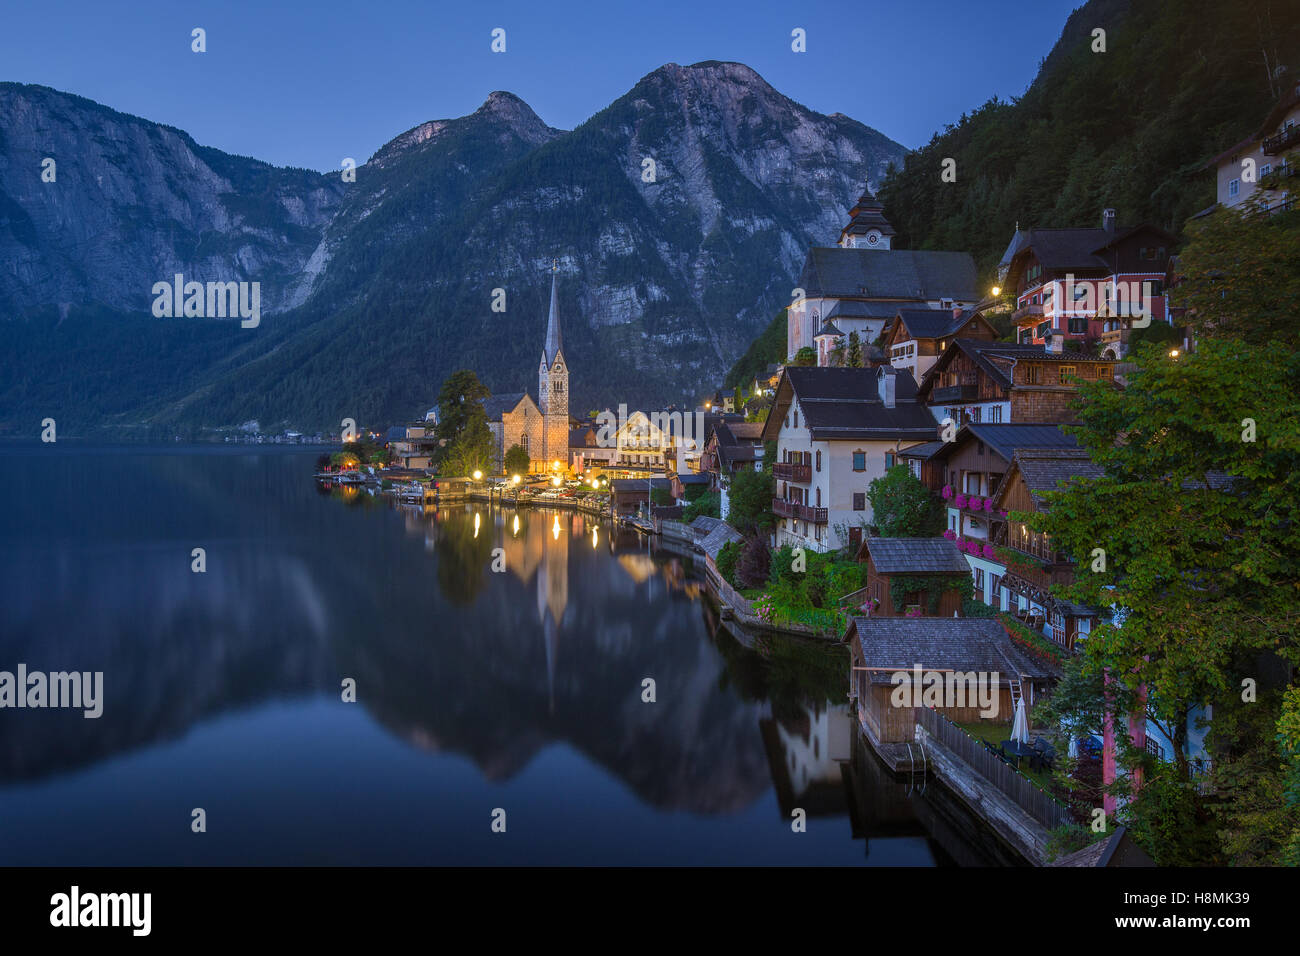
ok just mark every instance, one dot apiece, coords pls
pixel 1036 802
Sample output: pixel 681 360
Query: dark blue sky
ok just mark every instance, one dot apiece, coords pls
pixel 306 84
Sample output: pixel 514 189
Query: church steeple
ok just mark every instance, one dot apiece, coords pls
pixel 553 338
pixel 868 228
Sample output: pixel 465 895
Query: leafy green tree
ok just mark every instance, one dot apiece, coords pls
pixel 516 461
pixel 707 504
pixel 749 501
pixel 1241 276
pixel 805 356
pixel 902 507
pixel 460 394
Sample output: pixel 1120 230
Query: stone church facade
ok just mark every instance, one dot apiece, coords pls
pixel 540 427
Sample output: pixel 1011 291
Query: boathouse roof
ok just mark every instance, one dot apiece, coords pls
pixel 915 556
pixel 939 643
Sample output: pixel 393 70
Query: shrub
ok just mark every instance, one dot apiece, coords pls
pixel 753 566
pixel 728 556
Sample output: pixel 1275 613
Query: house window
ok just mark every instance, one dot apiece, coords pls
pixel 1079 292
pixel 1078 325
pixel 1234 187
pixel 859 461
pixel 859 501
pixel 979 582
pixel 1265 170
pixel 819 459
pixel 1067 371
pixel 995 413
pixel 796 418
pixel 1103 371
pixel 1034 374
pixel 890 461
pixel 975 414
pixel 819 497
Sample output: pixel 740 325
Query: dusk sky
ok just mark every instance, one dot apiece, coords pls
pixel 307 84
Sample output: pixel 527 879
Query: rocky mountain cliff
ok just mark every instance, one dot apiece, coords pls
pixel 374 290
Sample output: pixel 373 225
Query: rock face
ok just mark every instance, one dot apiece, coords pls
pixel 679 215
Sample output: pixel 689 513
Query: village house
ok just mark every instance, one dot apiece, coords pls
pixel 861 283
pixel 915 338
pixel 912 577
pixel 835 430
pixel 1077 284
pixel 1032 565
pixel 411 446
pixel 586 453
pixel 883 648
pixel 1267 161
pixel 977 381
pixel 628 495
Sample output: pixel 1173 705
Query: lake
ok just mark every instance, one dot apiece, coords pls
pixel 477 690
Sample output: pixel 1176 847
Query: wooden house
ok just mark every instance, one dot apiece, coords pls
pixel 977 381
pixel 889 653
pixel 913 576
pixel 915 338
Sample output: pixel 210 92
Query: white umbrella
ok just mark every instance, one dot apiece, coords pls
pixel 1020 729
pixel 1074 746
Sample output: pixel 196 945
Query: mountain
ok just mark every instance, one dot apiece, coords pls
pixel 374 290
pixel 1130 128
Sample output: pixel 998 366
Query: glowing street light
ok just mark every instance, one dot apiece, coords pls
pixel 478 475
pixel 1174 353
pixel 516 479
pixel 556 481
pixel 996 290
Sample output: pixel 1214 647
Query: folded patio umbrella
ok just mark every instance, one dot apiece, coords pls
pixel 1020 729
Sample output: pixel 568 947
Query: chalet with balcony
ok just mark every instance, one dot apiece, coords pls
pixel 731 446
pixel 835 430
pixel 1266 162
pixel 915 338
pixel 975 381
pixel 970 471
pixel 911 577
pixel 1032 565
pixel 1076 284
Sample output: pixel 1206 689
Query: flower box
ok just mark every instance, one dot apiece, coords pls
pixel 959 501
pixel 950 535
pixel 987 551
pixel 947 492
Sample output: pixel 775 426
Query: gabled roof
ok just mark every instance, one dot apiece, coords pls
pixel 835 272
pixel 1003 439
pixel 498 405
pixel 1047 469
pixel 578 436
pixel 1071 250
pixel 633 485
pixel 721 535
pixel 845 404
pixel 939 643
pixel 933 323
pixel 692 478
pixel 915 556
pixel 923 451
pixel 828 328
pixel 995 359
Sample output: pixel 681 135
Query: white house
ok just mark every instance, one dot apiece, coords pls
pixel 835 430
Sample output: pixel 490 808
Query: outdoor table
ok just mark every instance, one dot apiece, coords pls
pixel 1017 750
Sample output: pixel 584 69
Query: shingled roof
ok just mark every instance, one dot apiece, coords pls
pixel 497 406
pixel 721 535
pixel 931 323
pixel 996 359
pixel 1004 439
pixel 1048 469
pixel 940 643
pixel 915 556
pixel 844 403
pixel 838 273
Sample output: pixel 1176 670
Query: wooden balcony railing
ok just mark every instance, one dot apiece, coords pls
pixel 1027 312
pixel 790 509
pixel 792 471
pixel 1283 140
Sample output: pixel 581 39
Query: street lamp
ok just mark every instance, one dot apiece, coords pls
pixel 996 290
pixel 478 475
pixel 1174 353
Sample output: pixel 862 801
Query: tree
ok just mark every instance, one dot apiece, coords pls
pixel 854 358
pixel 661 497
pixel 516 461
pixel 708 504
pixel 753 564
pixel 902 507
pixel 805 356
pixel 1240 276
pixel 457 398
pixel 750 501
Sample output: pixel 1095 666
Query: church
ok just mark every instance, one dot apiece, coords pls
pixel 861 283
pixel 540 428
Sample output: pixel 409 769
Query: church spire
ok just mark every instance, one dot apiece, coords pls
pixel 553 338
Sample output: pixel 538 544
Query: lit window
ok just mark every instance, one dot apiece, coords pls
pixel 1234 187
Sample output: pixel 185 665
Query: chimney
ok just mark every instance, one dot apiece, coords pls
pixel 1108 220
pixel 885 384
pixel 1055 343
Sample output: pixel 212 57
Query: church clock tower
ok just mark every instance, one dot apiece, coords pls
pixel 553 390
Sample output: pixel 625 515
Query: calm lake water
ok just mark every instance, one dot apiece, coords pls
pixel 476 690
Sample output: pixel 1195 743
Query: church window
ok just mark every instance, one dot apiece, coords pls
pixel 523 441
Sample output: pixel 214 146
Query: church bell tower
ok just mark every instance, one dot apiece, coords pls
pixel 553 388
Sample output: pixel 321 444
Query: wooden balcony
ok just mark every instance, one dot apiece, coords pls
pixel 1282 141
pixel 1026 313
pixel 955 393
pixel 790 471
pixel 790 509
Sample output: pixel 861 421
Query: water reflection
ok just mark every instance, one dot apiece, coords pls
pixel 449 656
